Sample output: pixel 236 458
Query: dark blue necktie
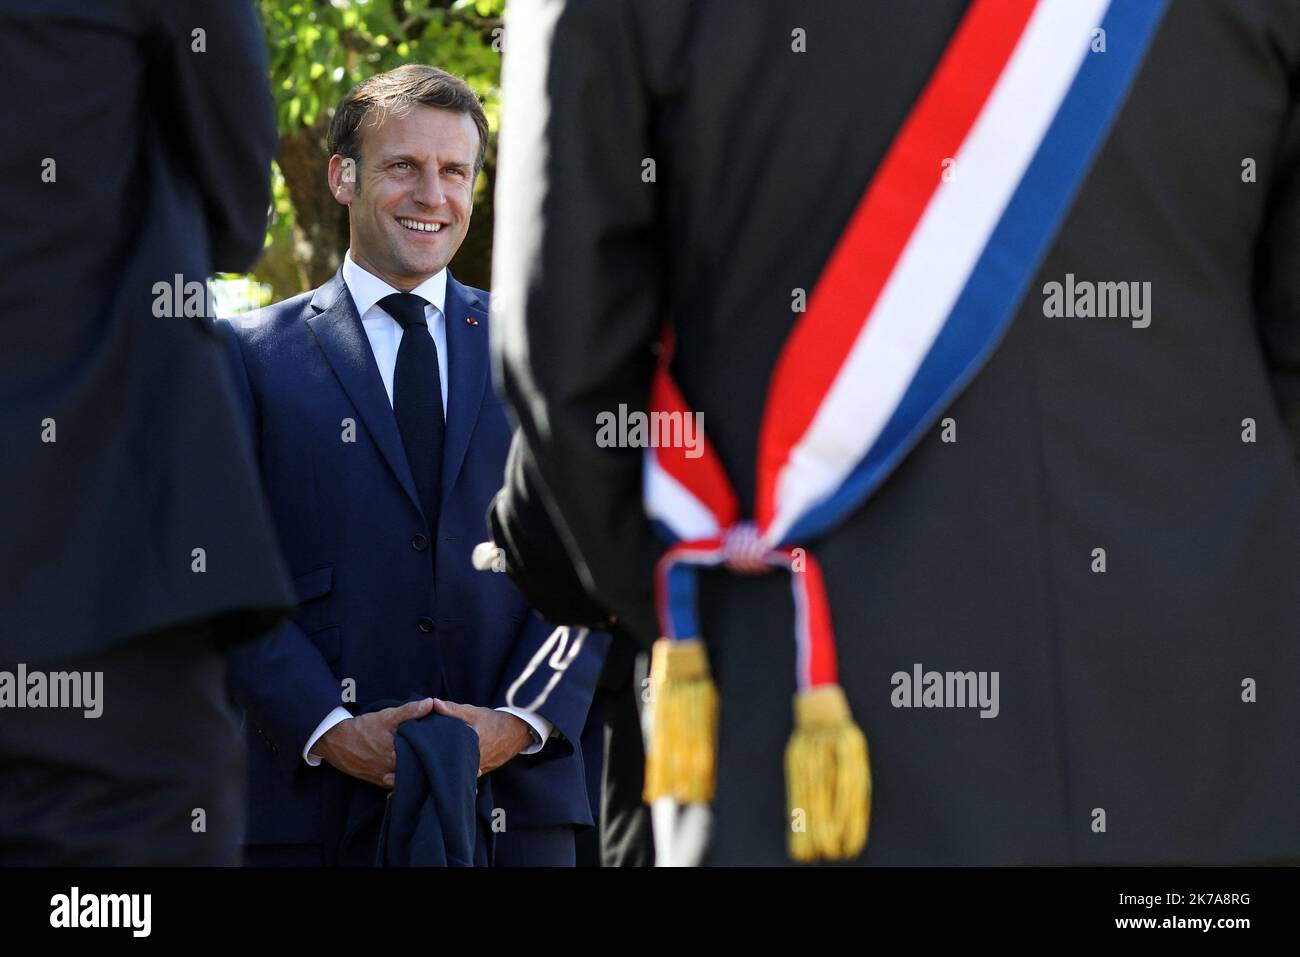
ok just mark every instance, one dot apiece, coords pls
pixel 417 401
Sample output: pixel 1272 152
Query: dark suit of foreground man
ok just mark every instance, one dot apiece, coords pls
pixel 134 540
pixel 1120 691
pixel 379 497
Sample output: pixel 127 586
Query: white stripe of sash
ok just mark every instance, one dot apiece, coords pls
pixel 669 501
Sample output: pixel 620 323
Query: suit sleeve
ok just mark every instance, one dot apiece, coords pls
pixel 576 275
pixel 218 114
pixel 1279 276
pixel 551 675
pixel 522 524
pixel 280 679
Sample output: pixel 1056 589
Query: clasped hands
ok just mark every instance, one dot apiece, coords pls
pixel 363 748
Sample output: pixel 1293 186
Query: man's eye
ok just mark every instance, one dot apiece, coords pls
pixel 454 170
pixel 402 165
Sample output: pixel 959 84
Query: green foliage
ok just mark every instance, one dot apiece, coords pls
pixel 319 49
pixel 279 228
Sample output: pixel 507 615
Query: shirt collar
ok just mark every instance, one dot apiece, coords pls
pixel 367 288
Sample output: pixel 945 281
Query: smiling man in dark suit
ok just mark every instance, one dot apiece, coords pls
pixel 380 444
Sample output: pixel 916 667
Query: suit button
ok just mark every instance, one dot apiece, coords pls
pixel 419 543
pixel 426 625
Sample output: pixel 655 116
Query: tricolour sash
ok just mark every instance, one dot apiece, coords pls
pixel 915 297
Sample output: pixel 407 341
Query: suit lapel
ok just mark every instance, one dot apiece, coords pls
pixel 342 338
pixel 467 368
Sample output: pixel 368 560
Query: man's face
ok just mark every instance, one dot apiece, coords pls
pixel 411 203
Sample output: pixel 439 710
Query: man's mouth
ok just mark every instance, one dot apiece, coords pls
pixel 420 226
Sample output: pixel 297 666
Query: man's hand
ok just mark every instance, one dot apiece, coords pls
pixel 500 735
pixel 363 746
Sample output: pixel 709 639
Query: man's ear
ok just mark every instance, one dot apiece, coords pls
pixel 343 178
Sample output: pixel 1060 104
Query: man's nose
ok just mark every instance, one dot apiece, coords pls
pixel 428 191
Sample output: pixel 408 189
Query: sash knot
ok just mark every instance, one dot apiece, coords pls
pixel 743 550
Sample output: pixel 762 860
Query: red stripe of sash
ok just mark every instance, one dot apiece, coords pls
pixel 885 218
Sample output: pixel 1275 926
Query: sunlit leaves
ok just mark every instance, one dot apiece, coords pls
pixel 319 51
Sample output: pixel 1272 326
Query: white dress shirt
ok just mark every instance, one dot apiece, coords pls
pixel 385 335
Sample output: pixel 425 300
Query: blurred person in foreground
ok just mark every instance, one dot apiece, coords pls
pixel 991 313
pixel 136 545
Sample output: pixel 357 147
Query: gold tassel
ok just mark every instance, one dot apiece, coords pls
pixel 828 778
pixel 684 723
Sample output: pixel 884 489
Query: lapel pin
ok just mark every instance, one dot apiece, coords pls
pixel 471 320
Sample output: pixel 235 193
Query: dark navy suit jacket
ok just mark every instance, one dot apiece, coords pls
pixel 383 612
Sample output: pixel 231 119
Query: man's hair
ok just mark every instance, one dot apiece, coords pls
pixel 398 90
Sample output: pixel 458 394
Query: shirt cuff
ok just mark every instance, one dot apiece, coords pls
pixel 537 723
pixel 331 719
